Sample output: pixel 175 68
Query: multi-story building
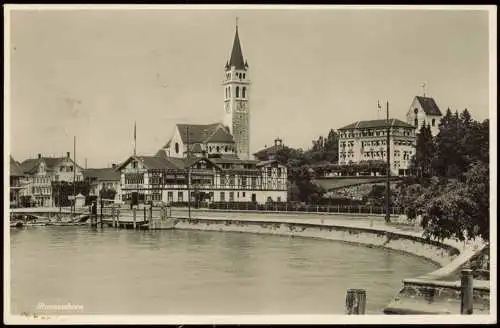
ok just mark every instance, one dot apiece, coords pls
pixel 424 110
pixel 365 141
pixel 170 179
pixel 102 179
pixel 42 171
pixel 209 162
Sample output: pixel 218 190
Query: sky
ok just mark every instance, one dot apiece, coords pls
pixel 92 73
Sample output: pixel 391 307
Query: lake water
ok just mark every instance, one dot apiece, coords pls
pixel 195 272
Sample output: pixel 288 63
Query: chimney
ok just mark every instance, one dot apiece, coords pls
pixel 113 165
pixel 39 156
pixel 67 154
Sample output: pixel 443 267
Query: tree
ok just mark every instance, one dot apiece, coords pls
pixel 424 152
pixel 457 209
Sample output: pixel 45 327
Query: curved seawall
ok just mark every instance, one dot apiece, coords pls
pixel 337 230
pixel 371 232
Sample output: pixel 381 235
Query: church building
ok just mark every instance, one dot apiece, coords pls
pixel 209 162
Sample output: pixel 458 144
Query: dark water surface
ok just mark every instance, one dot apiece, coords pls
pixel 196 272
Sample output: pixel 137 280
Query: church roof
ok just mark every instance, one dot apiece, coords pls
pixel 429 105
pixel 236 54
pixel 376 124
pixel 203 133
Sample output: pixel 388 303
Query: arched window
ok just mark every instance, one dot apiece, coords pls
pixel 244 75
pixel 244 92
pixel 237 92
pixel 226 91
pixel 225 149
pixel 176 147
pixel 433 122
pixel 218 149
pixel 416 122
pixel 229 91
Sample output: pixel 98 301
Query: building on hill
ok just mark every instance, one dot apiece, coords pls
pixel 102 179
pixel 220 179
pixel 365 141
pixel 41 172
pixel 16 182
pixel 269 153
pixel 424 110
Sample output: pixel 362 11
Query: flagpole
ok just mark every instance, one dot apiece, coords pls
pixel 135 138
pixel 388 173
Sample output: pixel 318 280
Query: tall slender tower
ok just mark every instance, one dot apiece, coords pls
pixel 236 86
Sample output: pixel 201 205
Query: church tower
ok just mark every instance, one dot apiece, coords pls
pixel 236 86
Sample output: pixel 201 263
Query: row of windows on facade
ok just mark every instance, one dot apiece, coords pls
pixel 228 180
pixel 180 196
pixel 243 92
pixel 350 144
pixel 211 149
pixel 41 190
pixel 131 178
pixel 397 153
pixel 239 75
pixel 375 133
pixel 47 180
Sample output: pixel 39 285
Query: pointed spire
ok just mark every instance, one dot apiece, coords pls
pixel 236 54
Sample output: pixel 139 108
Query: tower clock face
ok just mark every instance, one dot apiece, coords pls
pixel 242 106
pixel 228 108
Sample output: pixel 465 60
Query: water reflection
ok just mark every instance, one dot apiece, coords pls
pixel 194 272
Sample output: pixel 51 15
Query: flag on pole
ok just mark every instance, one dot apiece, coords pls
pixel 378 108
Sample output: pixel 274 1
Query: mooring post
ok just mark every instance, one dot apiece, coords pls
pixel 134 214
pixel 355 302
pixel 467 287
pixel 102 203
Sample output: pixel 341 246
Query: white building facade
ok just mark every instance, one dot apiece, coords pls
pixel 366 141
pixel 173 180
pixel 42 171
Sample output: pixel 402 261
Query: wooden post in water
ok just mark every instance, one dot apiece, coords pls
pixel 467 289
pixel 355 302
pixel 134 213
pixel 102 203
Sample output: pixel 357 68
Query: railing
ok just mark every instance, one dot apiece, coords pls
pixel 290 207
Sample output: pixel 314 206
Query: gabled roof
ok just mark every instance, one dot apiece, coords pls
pixel 376 124
pixel 429 105
pixel 102 174
pixel 15 168
pixel 203 133
pixel 236 54
pixel 30 165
